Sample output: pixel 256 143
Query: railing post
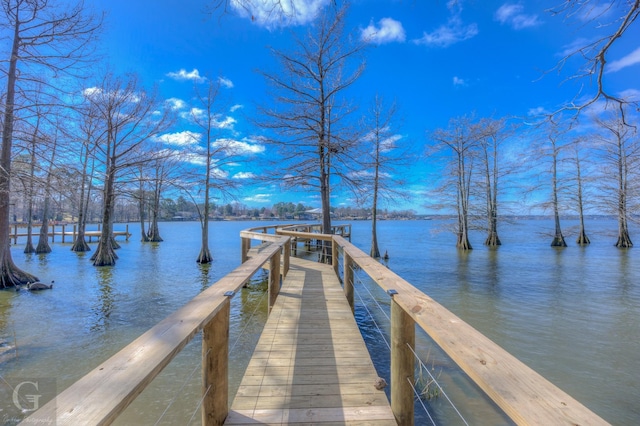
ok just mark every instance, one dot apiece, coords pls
pixel 246 245
pixel 348 280
pixel 403 336
pixel 215 368
pixel 287 255
pixel 334 256
pixel 274 279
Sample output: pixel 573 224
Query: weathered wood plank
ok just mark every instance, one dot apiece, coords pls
pixel 311 364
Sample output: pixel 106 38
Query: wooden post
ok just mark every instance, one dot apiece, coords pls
pixel 285 260
pixel 127 235
pixel 53 232
pixel 63 228
pixel 403 336
pixel 75 233
pixel 274 279
pixel 246 246
pixel 15 234
pixel 334 256
pixel 348 280
pixel 215 368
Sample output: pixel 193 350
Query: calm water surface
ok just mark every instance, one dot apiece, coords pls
pixel 571 314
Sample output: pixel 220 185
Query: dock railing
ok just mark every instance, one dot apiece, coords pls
pixel 523 394
pixel 103 394
pixel 100 396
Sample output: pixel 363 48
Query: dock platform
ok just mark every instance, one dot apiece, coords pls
pixel 311 365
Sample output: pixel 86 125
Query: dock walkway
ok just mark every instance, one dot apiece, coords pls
pixel 311 364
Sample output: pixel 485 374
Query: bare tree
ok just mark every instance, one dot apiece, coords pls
pixel 217 153
pixel 90 139
pixel 126 114
pixel 43 239
pixel 314 136
pixel 620 152
pixel 491 135
pixel 460 140
pixel 46 40
pixel 612 19
pixel 380 180
pixel 579 186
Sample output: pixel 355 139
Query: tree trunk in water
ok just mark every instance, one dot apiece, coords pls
pixel 10 274
pixel 105 254
pixel 29 248
pixel 582 237
pixel 624 240
pixel 492 238
pixel 558 239
pixel 43 238
pixel 375 251
pixel 154 230
pixel 463 241
pixel 205 254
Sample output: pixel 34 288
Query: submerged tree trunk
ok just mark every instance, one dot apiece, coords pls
pixel 558 239
pixel 105 254
pixel 582 239
pixel 43 238
pixel 10 274
pixel 154 230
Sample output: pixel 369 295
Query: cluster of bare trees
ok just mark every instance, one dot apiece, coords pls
pixel 95 143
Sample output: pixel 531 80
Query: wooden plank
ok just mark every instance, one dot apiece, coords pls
pixel 524 395
pixel 311 364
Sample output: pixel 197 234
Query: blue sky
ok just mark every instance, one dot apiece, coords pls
pixel 437 59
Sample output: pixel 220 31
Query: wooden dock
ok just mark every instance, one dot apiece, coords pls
pixel 311 364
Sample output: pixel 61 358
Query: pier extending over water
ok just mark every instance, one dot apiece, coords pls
pixel 101 395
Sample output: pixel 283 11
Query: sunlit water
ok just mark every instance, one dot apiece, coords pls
pixel 571 314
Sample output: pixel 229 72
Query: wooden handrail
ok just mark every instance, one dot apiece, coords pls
pixel 104 393
pixel 523 394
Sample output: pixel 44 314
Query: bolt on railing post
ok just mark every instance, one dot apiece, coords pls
pixel 403 335
pixel 274 279
pixel 246 245
pixel 348 280
pixel 215 368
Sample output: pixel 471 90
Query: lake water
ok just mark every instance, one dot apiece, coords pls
pixel 571 314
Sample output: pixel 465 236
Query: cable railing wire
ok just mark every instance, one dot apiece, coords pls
pixel 179 392
pixel 417 394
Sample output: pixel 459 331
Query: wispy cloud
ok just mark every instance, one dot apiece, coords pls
pixel 512 14
pixel 184 75
pixel 244 175
pixel 632 58
pixel 278 13
pixel 457 81
pixel 184 138
pixel 236 147
pixel 388 30
pixel 454 31
pixel 176 104
pixel 259 198
pixel 236 107
pixel 225 82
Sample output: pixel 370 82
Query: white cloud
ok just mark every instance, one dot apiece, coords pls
pixel 537 111
pixel 225 123
pixel 452 32
pixel 259 198
pixel 236 107
pixel 244 175
pixel 236 147
pixel 512 14
pixel 183 75
pixel 184 138
pixel 632 58
pixel 176 104
pixel 225 82
pixel 278 13
pixel 387 31
pixel 457 81
pixel 91 91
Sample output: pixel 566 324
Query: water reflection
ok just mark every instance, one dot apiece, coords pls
pixel 105 300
